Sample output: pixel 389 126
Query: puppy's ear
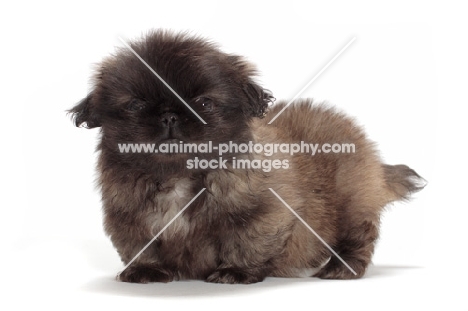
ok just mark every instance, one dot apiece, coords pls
pixel 259 99
pixel 85 113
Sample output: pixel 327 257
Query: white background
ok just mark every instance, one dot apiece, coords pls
pixel 404 79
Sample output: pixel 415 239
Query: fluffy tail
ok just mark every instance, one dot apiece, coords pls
pixel 402 181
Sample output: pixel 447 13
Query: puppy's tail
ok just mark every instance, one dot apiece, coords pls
pixel 402 181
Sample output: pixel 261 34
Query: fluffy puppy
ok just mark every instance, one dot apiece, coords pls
pixel 237 230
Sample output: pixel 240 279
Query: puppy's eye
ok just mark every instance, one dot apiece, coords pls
pixel 136 105
pixel 204 102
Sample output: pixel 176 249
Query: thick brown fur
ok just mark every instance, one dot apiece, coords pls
pixel 237 231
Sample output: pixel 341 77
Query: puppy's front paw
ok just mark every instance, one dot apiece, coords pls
pixel 336 270
pixel 234 276
pixel 145 274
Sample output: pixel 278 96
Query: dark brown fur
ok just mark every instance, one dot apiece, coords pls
pixel 237 231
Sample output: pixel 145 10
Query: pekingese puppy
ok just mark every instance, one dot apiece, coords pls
pixel 242 171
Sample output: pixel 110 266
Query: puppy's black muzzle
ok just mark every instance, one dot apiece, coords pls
pixel 169 119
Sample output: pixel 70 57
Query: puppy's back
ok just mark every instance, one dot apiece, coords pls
pixel 346 172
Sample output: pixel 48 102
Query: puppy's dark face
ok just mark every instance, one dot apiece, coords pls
pixel 133 106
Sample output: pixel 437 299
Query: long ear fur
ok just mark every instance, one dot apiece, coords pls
pixel 259 99
pixel 84 114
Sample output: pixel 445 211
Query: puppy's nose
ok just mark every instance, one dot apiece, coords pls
pixel 169 119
